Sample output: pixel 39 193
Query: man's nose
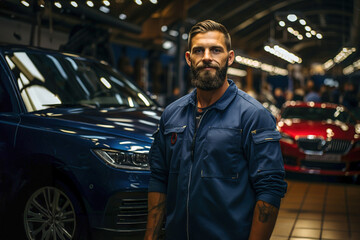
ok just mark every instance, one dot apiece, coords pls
pixel 207 55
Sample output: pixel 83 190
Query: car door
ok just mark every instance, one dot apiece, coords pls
pixel 9 121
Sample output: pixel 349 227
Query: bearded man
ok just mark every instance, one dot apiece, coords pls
pixel 216 165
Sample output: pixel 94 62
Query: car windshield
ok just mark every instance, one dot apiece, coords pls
pixel 318 114
pixel 58 80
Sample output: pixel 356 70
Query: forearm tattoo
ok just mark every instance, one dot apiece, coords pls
pixel 265 211
pixel 157 213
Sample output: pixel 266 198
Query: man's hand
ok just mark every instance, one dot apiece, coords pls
pixel 156 212
pixel 264 220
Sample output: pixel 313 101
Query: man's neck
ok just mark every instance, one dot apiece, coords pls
pixel 207 98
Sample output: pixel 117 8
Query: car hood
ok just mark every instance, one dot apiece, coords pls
pixel 326 129
pixel 136 123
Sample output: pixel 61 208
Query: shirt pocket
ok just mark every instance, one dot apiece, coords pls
pixel 266 149
pixel 223 153
pixel 174 137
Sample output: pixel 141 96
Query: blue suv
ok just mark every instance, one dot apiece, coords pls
pixel 74 139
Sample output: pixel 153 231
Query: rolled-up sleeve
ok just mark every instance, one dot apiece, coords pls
pixel 266 167
pixel 158 167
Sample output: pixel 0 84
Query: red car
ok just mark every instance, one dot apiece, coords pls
pixel 319 138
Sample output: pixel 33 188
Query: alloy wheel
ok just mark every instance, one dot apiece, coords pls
pixel 49 214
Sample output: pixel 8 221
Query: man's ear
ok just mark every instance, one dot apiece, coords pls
pixel 231 57
pixel 187 57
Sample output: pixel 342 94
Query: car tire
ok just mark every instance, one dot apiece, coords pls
pixel 54 212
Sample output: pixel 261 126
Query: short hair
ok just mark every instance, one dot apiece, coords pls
pixel 207 26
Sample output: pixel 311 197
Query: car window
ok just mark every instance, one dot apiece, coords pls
pixel 5 101
pixel 318 114
pixel 57 80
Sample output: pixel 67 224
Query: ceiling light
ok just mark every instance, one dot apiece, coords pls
pixel 290 29
pixel 282 23
pixel 307 28
pixel 300 37
pixel 104 9
pixel 58 4
pixel 25 3
pixel 313 32
pixel 184 36
pixel 174 33
pixel 308 34
pixel 302 22
pixel 236 72
pixel 167 45
pixel 164 28
pixel 283 54
pixel 319 36
pixel 154 1
pixel 351 68
pixel 74 4
pixel 138 2
pixel 259 65
pixel 90 3
pixel 292 17
pixel 341 56
pixel 106 3
pixel 122 16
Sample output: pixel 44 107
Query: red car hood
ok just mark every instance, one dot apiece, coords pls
pixel 327 129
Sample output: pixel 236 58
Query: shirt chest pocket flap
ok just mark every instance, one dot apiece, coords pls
pixel 174 137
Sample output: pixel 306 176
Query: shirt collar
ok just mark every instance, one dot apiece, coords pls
pixel 224 100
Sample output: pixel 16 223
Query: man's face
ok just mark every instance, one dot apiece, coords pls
pixel 208 60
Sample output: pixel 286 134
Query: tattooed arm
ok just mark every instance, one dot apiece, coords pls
pixel 264 220
pixel 156 212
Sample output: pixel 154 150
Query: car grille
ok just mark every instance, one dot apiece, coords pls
pixel 334 146
pixel 132 215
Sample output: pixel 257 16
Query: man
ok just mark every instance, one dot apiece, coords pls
pixel 216 165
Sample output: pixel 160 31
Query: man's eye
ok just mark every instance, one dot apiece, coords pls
pixel 216 50
pixel 197 51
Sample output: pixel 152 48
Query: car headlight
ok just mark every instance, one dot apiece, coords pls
pixel 286 138
pixel 357 128
pixel 124 160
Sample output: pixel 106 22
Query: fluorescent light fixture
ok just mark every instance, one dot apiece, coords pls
pixel 259 65
pixel 308 35
pixel 302 22
pixel 283 54
pixel 104 9
pixel 106 3
pixel 58 4
pixel 292 17
pixel 74 4
pixel 300 37
pixel 164 28
pixel 313 32
pixel 282 23
pixel 319 36
pixel 236 72
pixel 138 2
pixel 154 1
pixel 341 56
pixel 25 3
pixel 351 68
pixel 174 33
pixel 122 16
pixel 307 28
pixel 167 45
pixel 90 3
pixel 184 36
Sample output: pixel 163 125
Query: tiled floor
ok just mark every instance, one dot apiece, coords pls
pixel 319 210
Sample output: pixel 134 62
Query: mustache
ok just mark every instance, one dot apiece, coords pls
pixel 206 65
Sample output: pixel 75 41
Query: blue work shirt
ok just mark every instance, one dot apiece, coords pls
pixel 213 176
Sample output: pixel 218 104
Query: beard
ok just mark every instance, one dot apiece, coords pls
pixel 205 80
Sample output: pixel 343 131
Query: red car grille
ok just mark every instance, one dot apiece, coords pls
pixel 334 146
